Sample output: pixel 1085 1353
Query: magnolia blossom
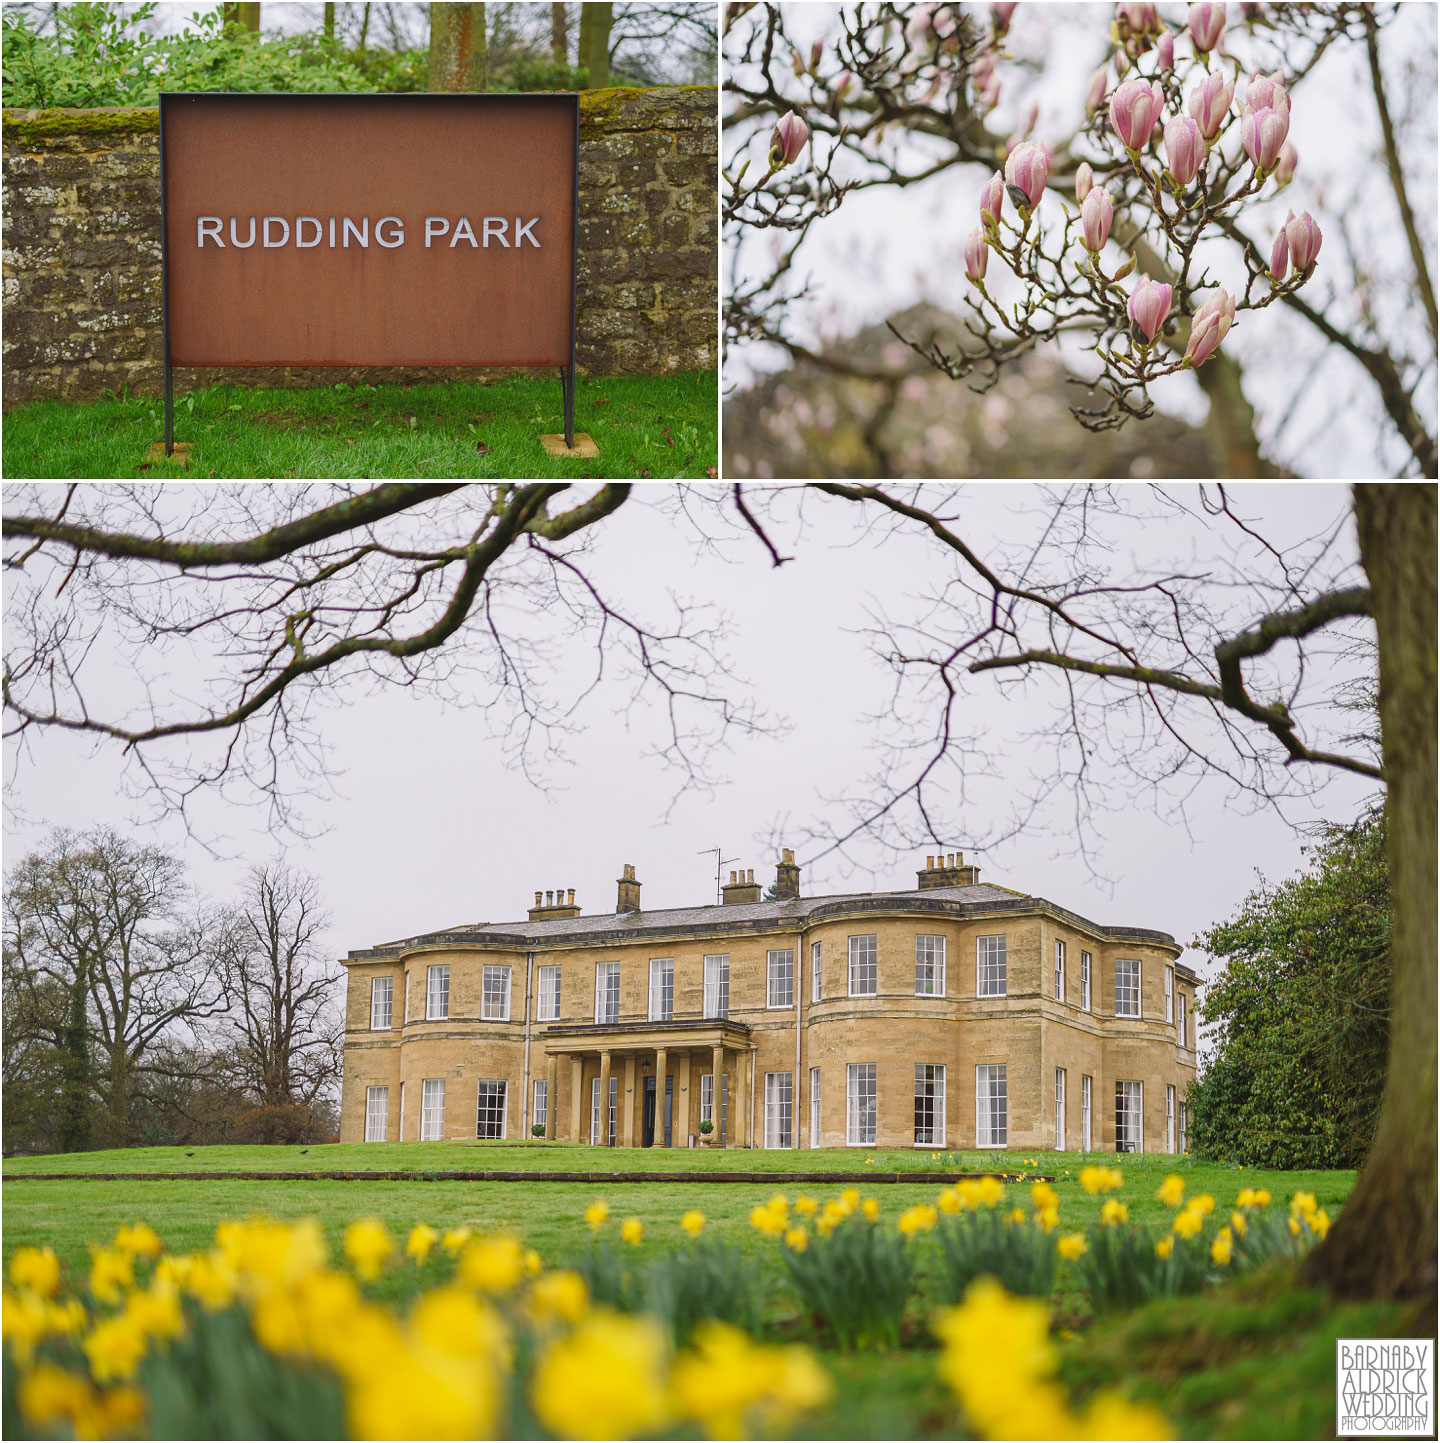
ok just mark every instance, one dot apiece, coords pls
pixel 1184 148
pixel 1280 254
pixel 1095 91
pixel 977 255
pixel 1206 25
pixel 797 63
pixel 1032 114
pixel 1084 180
pixel 930 20
pixel 1209 103
pixel 1026 172
pixel 1262 133
pixel 1285 166
pixel 842 84
pixel 1267 92
pixel 992 198
pixel 1209 326
pixel 1141 19
pixel 1148 307
pixel 817 50
pixel 1096 214
pixel 1304 239
pixel 1134 111
pixel 1000 16
pixel 787 140
pixel 1165 50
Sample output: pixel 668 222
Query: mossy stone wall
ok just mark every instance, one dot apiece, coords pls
pixel 82 249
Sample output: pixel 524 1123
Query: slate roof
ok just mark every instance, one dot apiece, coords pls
pixel 742 917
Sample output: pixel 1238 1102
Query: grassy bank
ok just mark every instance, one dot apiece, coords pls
pixel 645 426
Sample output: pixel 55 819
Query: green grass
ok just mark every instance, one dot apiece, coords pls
pixel 645 426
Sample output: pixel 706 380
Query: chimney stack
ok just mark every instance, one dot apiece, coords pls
pixel 742 889
pixel 549 906
pixel 947 870
pixel 787 877
pixel 628 896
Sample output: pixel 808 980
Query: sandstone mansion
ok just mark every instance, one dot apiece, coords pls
pixel 954 1015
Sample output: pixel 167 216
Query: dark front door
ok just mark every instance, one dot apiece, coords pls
pixel 647 1126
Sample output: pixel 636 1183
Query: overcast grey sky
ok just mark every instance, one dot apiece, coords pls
pixel 426 826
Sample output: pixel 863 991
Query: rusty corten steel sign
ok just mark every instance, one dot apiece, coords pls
pixel 369 230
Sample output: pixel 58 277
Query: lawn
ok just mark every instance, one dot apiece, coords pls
pixel 1251 1359
pixel 645 426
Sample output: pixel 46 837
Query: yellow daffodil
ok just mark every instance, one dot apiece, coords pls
pixel 114 1348
pixel 369 1246
pixel 1114 1418
pixel 156 1311
pixel 1302 1203
pixel 1202 1203
pixel 1048 1219
pixel 110 1272
pixel 421 1393
pixel 493 1265
pixel 870 1209
pixel 1171 1192
pixel 455 1239
pixel 1114 1212
pixel 1100 1179
pixel 37 1269
pixel 918 1219
pixel 139 1240
pixel 1245 1198
pixel 989 1192
pixel 453 1321
pixel 596 1214
pixel 1187 1223
pixel 850 1199
pixel 1319 1223
pixel 265 1252
pixel 1164 1246
pixel 949 1202
pixel 797 1239
pixel 1015 1217
pixel 694 1220
pixel 1071 1245
pixel 422 1238
pixel 1262 1197
pixel 632 1231
pixel 606 1379
pixel 534 1266
pixel 1220 1247
pixel 1042 1195
pixel 1238 1224
pixel 807 1207
pixel 211 1281
pixel 558 1297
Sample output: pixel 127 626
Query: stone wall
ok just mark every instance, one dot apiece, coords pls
pixel 82 249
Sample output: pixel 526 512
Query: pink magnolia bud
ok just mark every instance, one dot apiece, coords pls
pixel 797 63
pixel 1267 92
pixel 1134 111
pixel 1280 254
pixel 992 198
pixel 817 51
pixel 1206 25
pixel 977 255
pixel 1149 305
pixel 1209 326
pixel 1262 133
pixel 1032 114
pixel 787 140
pixel 1084 180
pixel 1165 50
pixel 1096 214
pixel 1139 19
pixel 1000 17
pixel 1285 166
pixel 1026 172
pixel 1209 103
pixel 1304 239
pixel 1184 148
pixel 988 96
pixel 1095 91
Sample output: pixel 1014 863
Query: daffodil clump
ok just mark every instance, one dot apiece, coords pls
pixel 266 1327
pixel 981 1237
pixel 850 1270
pixel 998 1360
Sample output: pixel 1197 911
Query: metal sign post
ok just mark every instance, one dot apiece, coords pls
pixel 369 230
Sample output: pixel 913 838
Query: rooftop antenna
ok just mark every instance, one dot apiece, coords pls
pixel 721 862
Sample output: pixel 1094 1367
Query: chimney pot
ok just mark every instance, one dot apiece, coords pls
pixel 732 876
pixel 570 901
pixel 549 899
pixel 537 899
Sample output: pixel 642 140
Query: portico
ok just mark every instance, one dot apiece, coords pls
pixel 654 1074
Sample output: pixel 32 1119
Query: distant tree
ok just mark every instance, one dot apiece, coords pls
pixel 458 54
pixel 244 13
pixel 559 37
pixel 601 15
pixel 99 928
pixel 1299 1015
pixel 285 1026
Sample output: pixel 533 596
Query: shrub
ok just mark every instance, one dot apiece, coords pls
pixel 1020 1255
pixel 705 1280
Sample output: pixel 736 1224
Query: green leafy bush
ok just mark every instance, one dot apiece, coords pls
pixel 856 1279
pixel 1122 1268
pixel 708 1279
pixel 103 56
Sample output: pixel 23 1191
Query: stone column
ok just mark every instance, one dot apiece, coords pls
pixel 660 1072
pixel 627 1103
pixel 682 1100
pixel 717 1083
pixel 605 1099
pixel 552 1093
pixel 742 1100
pixel 577 1102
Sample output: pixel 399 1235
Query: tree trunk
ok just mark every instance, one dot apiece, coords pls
pixel 330 21
pixel 73 1133
pixel 365 27
pixel 602 18
pixel 117 1105
pixel 1383 1244
pixel 240 12
pixel 559 38
pixel 1230 427
pixel 458 60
